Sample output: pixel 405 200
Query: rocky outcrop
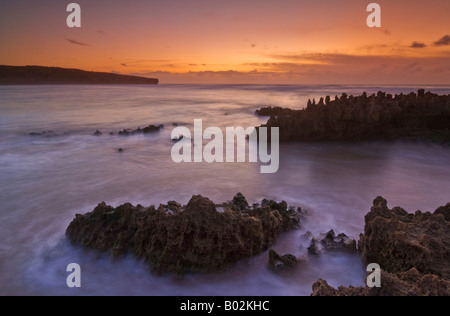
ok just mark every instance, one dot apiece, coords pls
pixel 410 283
pixel 193 238
pixel 421 116
pixel 131 132
pixel 152 129
pixel 445 211
pixel 48 134
pixel 413 251
pixel 273 111
pixel 399 241
pixel 330 241
pixel 281 263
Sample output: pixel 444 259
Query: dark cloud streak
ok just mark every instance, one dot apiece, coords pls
pixel 418 45
pixel 71 41
pixel 444 41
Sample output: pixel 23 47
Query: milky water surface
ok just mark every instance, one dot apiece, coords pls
pixel 45 181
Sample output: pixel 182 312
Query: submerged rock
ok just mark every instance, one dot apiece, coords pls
pixel 410 283
pixel 399 241
pixel 194 238
pixel 280 263
pixel 422 116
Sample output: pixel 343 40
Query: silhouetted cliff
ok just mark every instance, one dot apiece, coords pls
pixel 37 75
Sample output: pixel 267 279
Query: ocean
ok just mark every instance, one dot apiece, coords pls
pixel 46 179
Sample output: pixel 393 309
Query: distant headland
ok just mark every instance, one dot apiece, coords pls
pixel 38 75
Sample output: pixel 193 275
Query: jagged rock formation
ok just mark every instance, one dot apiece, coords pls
pixel 410 283
pixel 330 241
pixel 281 263
pixel 399 241
pixel 412 249
pixel 444 211
pixel 194 238
pixel 421 116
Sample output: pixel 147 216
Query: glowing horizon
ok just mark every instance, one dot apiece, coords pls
pixel 251 41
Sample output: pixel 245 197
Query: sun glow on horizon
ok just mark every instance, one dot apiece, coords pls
pixel 264 41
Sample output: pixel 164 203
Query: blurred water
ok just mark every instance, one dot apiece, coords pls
pixel 45 181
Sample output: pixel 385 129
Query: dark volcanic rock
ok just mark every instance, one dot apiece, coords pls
pixel 147 130
pixel 280 263
pixel 410 283
pixel 445 211
pixel 195 238
pixel 399 241
pixel 273 111
pixel 97 133
pixel 422 116
pixel 240 202
pixel 413 251
pixel 153 129
pixel 330 241
pixel 48 134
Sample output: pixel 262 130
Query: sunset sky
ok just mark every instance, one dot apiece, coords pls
pixel 235 41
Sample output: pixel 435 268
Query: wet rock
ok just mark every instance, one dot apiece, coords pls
pixel 47 134
pixel 174 206
pixel 153 129
pixel 194 238
pixel 176 139
pixel 399 241
pixel 149 129
pixel 417 117
pixel 409 283
pixel 314 249
pixel 240 202
pixel 125 132
pixel 281 263
pixel 291 215
pixel 97 133
pixel 330 241
pixel 341 241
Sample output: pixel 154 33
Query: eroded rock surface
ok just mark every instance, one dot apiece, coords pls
pixel 421 116
pixel 280 263
pixel 410 283
pixel 194 238
pixel 413 251
pixel 399 241
pixel 330 241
